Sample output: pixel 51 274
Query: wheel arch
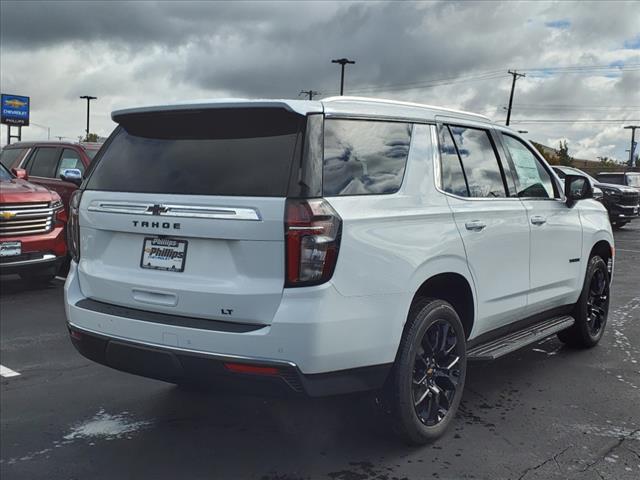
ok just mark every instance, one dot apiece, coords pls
pixel 452 287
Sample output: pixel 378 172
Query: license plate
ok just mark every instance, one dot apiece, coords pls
pixel 635 210
pixel 164 254
pixel 10 249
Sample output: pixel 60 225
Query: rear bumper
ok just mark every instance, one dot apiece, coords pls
pixel 321 342
pixel 177 365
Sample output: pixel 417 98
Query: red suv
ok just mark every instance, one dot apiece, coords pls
pixel 32 228
pixel 44 162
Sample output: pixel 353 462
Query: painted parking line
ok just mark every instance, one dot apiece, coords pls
pixel 626 250
pixel 7 372
pixel 61 278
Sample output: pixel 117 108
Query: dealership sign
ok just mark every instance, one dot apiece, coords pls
pixel 15 110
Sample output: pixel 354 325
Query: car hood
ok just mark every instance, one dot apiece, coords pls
pixel 21 191
pixel 617 187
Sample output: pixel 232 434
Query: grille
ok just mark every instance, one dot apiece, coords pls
pixel 631 199
pixel 25 218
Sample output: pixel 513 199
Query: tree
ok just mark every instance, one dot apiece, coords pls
pixel 607 162
pixel 563 154
pixel 92 137
pixel 549 154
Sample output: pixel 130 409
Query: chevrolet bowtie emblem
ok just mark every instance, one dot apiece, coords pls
pixel 157 209
pixel 8 215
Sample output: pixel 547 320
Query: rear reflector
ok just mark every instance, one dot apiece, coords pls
pixel 253 369
pixel 75 335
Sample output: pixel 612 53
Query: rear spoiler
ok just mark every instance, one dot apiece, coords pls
pixel 301 107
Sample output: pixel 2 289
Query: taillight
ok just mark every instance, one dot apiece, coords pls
pixel 73 226
pixel 312 239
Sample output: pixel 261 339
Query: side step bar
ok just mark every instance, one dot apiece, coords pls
pixel 521 338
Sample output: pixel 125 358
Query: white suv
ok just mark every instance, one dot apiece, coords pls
pixel 327 247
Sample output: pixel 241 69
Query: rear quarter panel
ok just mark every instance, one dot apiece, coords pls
pixel 391 244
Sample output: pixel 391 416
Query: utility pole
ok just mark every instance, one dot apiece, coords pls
pixel 633 142
pixel 309 93
pixel 89 98
pixel 513 87
pixel 342 62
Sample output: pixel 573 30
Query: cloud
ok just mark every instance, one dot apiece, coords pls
pixel 134 53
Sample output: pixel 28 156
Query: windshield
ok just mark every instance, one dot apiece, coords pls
pixel 91 152
pixel 633 179
pixel 5 176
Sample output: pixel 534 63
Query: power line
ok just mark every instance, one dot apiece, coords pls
pixel 577 107
pixel 493 74
pixel 432 83
pixel 575 120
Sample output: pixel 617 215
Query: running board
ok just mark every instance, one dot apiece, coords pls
pixel 521 338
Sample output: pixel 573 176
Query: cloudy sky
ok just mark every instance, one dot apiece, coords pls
pixel 582 60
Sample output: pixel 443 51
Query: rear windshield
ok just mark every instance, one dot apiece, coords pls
pixel 246 152
pixel 619 179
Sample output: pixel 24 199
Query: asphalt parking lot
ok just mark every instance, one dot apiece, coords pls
pixel 544 412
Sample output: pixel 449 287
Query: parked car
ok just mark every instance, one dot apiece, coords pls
pixel 327 247
pixel 622 203
pixel 630 179
pixel 45 163
pixel 32 229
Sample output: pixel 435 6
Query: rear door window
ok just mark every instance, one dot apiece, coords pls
pixel 69 159
pixel 480 162
pixel 534 181
pixel 364 157
pixel 240 151
pixel 9 156
pixel 43 162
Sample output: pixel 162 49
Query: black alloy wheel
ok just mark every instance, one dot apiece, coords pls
pixel 597 302
pixel 592 308
pixel 436 373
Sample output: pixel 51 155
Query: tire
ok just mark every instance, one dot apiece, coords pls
pixel 424 389
pixel 618 225
pixel 592 308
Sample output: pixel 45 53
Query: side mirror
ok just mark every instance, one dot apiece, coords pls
pixel 577 187
pixel 73 175
pixel 20 173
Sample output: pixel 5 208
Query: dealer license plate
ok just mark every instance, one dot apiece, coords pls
pixel 164 254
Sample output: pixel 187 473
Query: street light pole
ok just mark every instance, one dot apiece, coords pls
pixel 88 98
pixel 44 126
pixel 633 141
pixel 342 62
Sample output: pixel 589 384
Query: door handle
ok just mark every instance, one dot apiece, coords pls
pixel 475 225
pixel 538 220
